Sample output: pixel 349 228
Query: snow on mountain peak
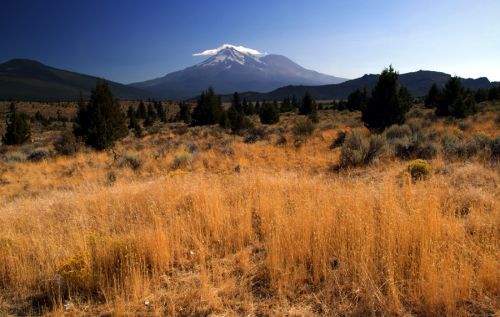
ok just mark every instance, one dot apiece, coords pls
pixel 241 49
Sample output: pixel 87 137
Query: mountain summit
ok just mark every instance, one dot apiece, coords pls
pixel 234 68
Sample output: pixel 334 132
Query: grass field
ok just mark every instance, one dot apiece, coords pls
pixel 197 222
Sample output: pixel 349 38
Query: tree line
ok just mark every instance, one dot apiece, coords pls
pixel 100 122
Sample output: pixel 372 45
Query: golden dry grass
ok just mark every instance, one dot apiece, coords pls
pixel 280 235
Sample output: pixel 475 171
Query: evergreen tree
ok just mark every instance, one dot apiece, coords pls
pixel 236 118
pixel 131 112
pixel 184 113
pixel 269 113
pixel 286 105
pixel 236 102
pixel 405 96
pixel 150 116
pixel 494 93
pixel 160 111
pixel 455 101
pixel 208 109
pixel 18 128
pixel 295 103
pixel 257 107
pixel 134 124
pixel 357 100
pixel 101 122
pixel 248 108
pixel 141 111
pixel 481 95
pixel 433 96
pixel 308 105
pixel 388 104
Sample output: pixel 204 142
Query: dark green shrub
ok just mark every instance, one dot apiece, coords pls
pixel 269 114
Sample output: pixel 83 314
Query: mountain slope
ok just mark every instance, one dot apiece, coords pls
pixel 231 70
pixel 23 79
pixel 417 82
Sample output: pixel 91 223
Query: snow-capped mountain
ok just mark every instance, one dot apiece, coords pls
pixel 234 68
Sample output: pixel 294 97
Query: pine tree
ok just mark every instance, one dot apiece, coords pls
pixel 248 107
pixel 141 111
pixel 208 109
pixel 184 113
pixel 494 93
pixel 101 122
pixel 18 128
pixel 234 117
pixel 455 100
pixel 150 116
pixel 131 112
pixel 308 105
pixel 433 96
pixel 257 107
pixel 269 113
pixel 357 100
pixel 160 111
pixel 295 103
pixel 286 105
pixel 388 104
pixel 236 102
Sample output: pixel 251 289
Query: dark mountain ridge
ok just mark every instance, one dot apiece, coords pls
pixel 24 79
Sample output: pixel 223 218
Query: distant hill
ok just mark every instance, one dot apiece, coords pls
pixel 417 82
pixel 23 79
pixel 233 70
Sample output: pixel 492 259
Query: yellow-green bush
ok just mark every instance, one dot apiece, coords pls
pixel 419 169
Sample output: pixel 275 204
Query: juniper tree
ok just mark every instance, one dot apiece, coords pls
pixel 455 100
pixel 388 104
pixel 269 113
pixel 357 100
pixel 286 105
pixel 234 117
pixel 101 122
pixel 208 109
pixel 184 113
pixel 18 128
pixel 141 111
pixel 308 105
pixel 160 111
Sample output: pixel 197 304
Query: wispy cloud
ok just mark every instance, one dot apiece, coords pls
pixel 238 48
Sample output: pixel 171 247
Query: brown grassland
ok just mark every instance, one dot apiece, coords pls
pixel 200 222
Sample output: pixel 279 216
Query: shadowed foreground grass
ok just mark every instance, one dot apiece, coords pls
pixel 256 243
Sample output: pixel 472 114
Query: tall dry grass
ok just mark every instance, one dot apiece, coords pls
pixel 256 243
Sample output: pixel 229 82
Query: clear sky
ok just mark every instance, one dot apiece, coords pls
pixel 135 40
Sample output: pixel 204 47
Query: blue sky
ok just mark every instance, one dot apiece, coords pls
pixel 133 40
